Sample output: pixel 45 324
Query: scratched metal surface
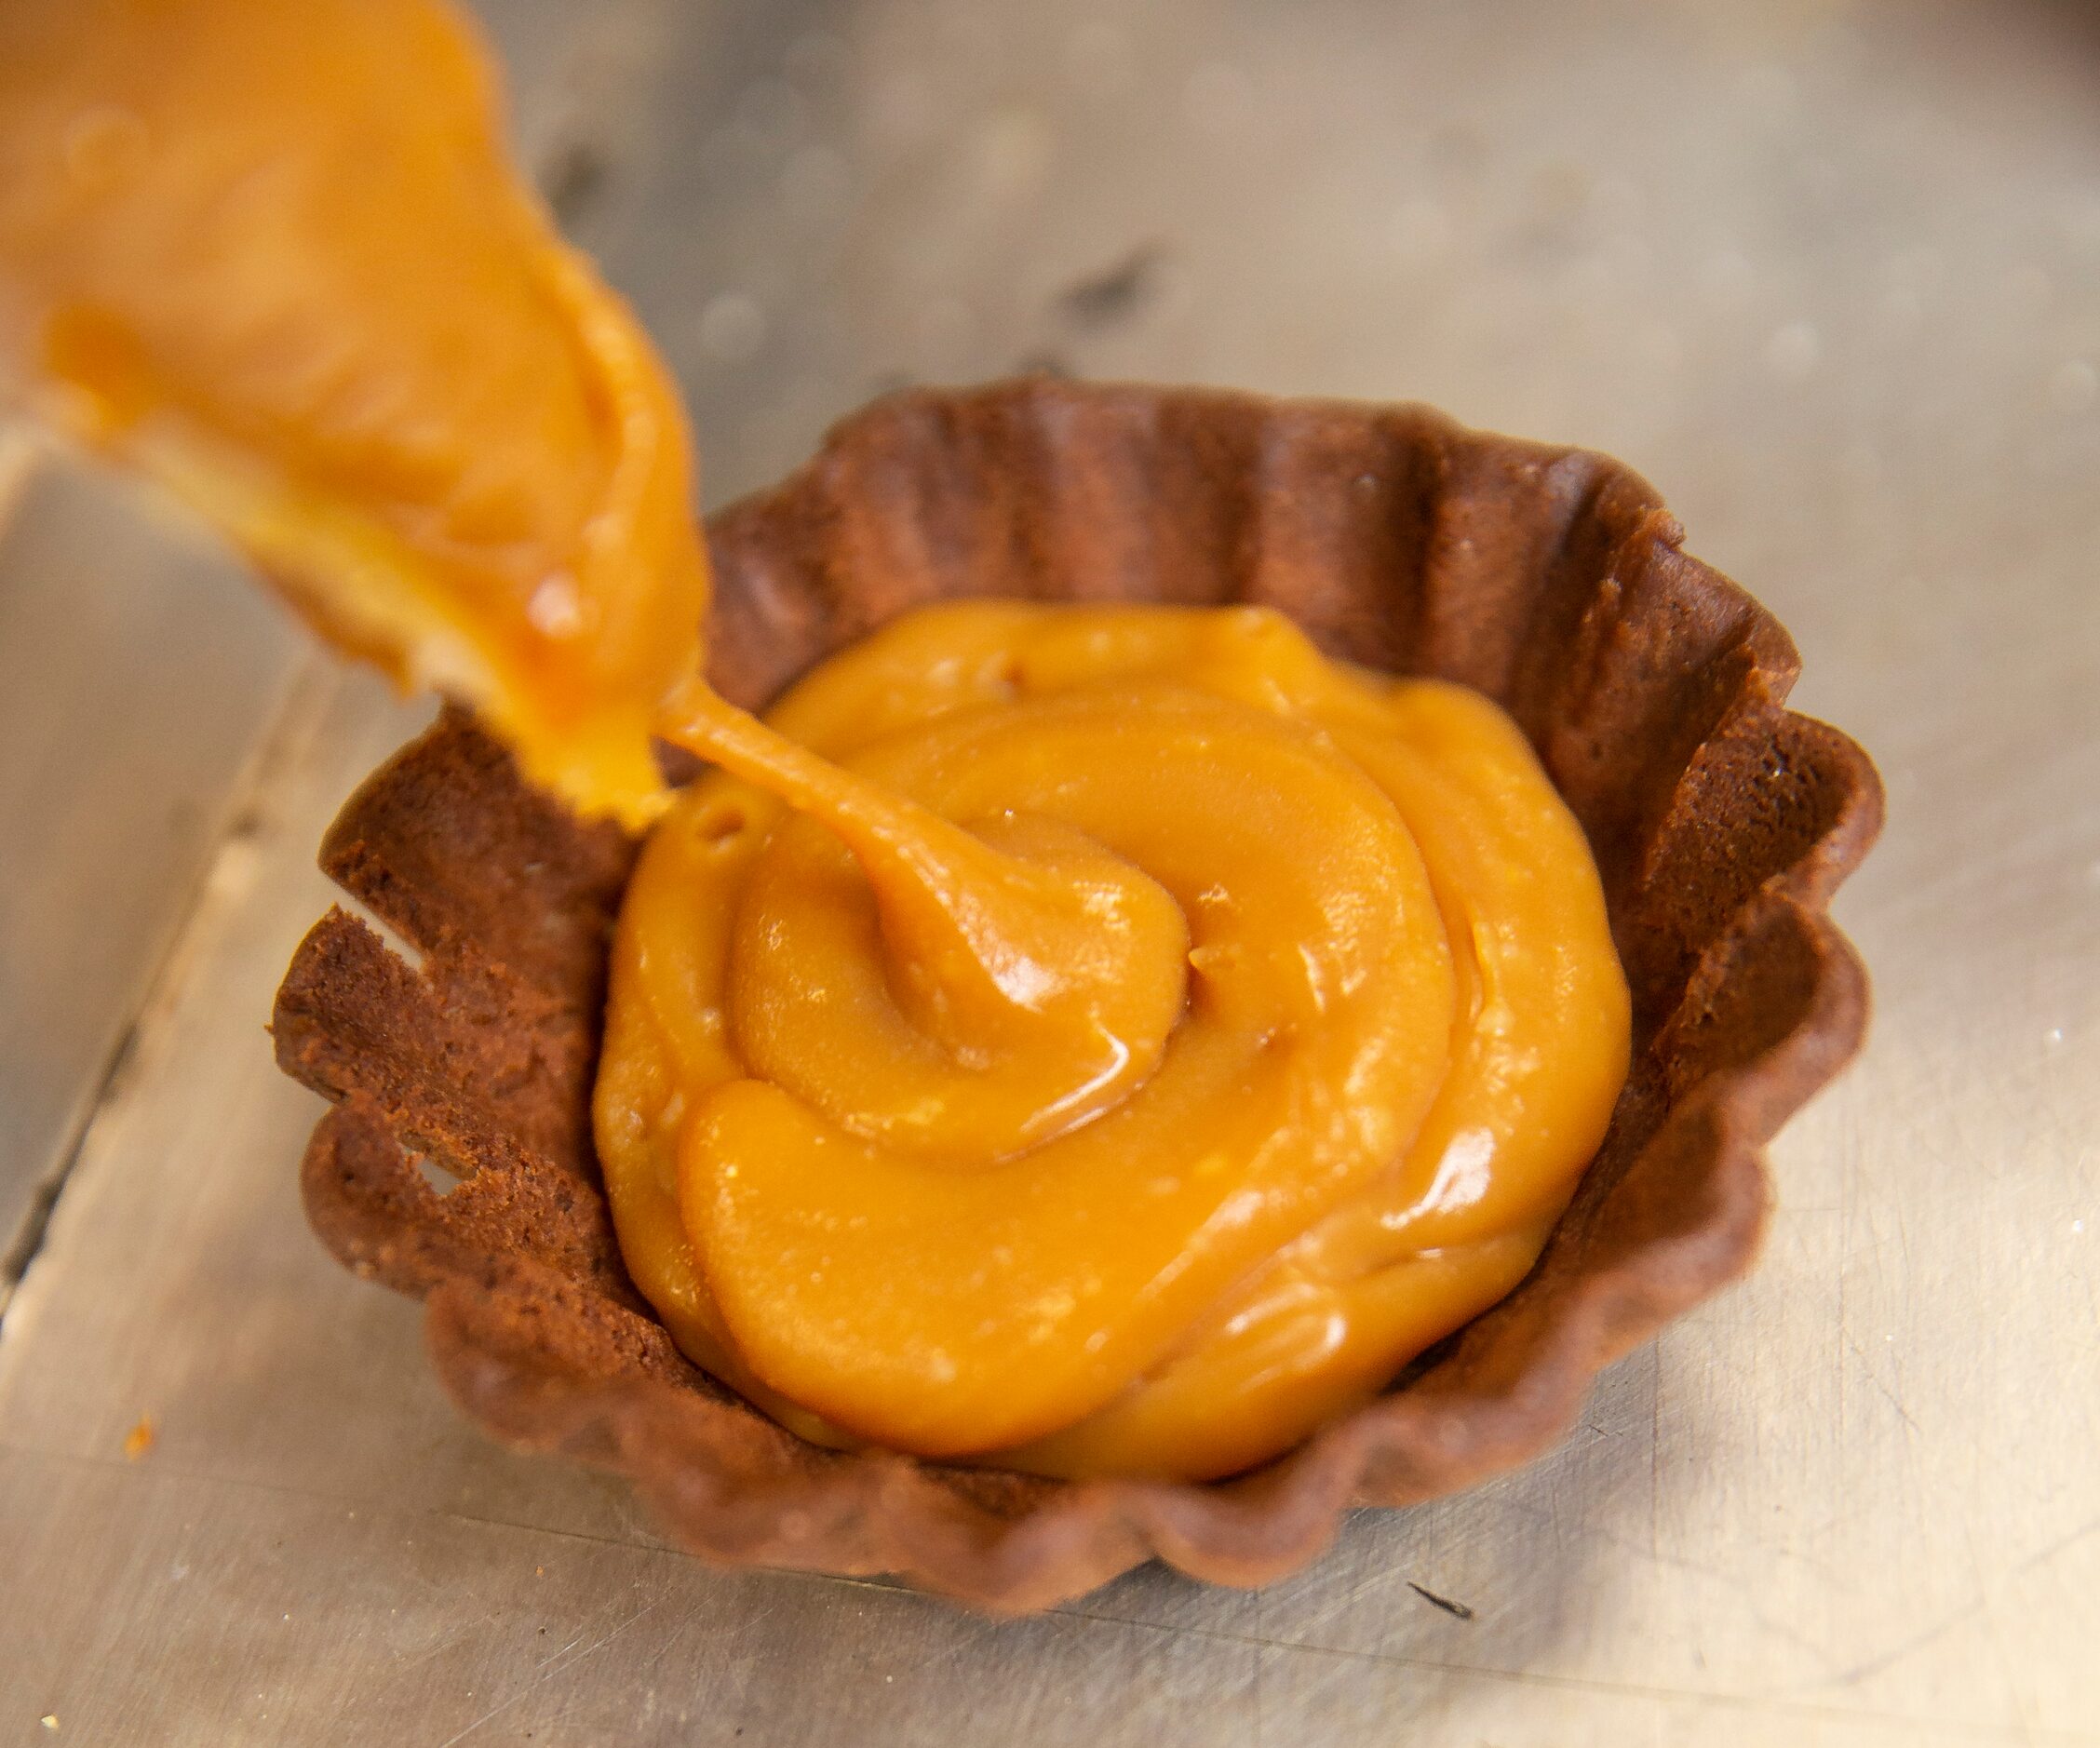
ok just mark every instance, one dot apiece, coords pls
pixel 136 671
pixel 1831 274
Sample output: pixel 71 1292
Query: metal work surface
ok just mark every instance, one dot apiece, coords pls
pixel 134 679
pixel 1828 274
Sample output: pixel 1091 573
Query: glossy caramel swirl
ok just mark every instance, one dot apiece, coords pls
pixel 1351 1027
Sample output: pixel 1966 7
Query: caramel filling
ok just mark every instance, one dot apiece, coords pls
pixel 1293 1018
pixel 1086 1040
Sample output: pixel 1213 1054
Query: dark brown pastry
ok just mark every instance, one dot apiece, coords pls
pixel 1551 579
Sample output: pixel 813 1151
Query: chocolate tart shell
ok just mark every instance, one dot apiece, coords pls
pixel 1552 579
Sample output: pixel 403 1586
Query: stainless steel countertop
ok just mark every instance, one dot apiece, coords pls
pixel 1828 273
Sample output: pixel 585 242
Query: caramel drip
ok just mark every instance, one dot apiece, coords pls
pixel 1402 1032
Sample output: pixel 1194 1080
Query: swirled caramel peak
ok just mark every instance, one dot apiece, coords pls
pixel 275 257
pixel 1353 1028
